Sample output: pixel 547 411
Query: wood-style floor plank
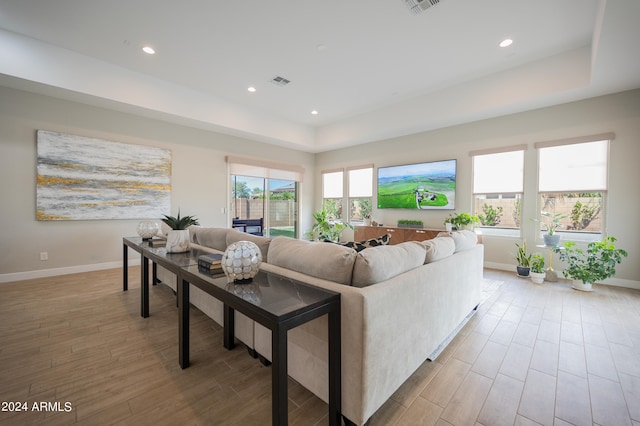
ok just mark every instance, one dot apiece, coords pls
pixel 532 354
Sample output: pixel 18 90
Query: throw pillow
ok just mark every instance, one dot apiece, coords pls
pixel 358 246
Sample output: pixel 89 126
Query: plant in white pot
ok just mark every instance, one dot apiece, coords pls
pixel 178 236
pixel 461 221
pixel 524 260
pixel 596 263
pixel 537 272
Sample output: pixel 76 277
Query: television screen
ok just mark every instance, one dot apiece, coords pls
pixel 418 186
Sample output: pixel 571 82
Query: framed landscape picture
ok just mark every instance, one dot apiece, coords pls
pixel 81 178
pixel 421 186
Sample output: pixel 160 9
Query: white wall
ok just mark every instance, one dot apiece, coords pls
pixel 200 176
pixel 618 113
pixel 199 182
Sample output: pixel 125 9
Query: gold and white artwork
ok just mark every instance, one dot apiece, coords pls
pixel 81 178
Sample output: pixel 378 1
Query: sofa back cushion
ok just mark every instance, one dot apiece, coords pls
pixel 210 237
pixel 263 243
pixel 439 248
pixel 327 261
pixel 377 264
pixel 464 240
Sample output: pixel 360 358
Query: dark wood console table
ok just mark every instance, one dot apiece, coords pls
pixel 158 256
pixel 279 304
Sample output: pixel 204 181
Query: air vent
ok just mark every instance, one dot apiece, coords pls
pixel 419 6
pixel 280 81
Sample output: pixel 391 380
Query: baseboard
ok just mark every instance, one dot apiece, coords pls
pixel 616 282
pixel 43 273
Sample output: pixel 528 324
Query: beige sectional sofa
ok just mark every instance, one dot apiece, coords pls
pixel 399 303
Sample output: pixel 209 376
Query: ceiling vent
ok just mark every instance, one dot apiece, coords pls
pixel 280 81
pixel 419 6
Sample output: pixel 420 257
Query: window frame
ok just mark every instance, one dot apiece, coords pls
pixel 576 235
pixel 496 193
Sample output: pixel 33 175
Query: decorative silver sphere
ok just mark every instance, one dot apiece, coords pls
pixel 241 261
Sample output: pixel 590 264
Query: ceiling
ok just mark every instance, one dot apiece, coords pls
pixel 370 68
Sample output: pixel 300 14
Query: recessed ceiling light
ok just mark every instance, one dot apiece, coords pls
pixel 506 42
pixel 149 50
pixel 251 89
pixel 314 112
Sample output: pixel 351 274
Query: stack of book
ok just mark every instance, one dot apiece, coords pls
pixel 157 242
pixel 210 263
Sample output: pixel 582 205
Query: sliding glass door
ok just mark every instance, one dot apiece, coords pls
pixel 272 200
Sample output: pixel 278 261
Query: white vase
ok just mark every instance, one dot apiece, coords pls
pixel 579 285
pixel 448 227
pixel 537 277
pixel 178 241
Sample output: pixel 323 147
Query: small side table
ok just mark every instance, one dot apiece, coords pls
pixel 550 274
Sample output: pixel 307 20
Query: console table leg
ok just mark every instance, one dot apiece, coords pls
pixel 125 267
pixel 335 370
pixel 279 384
pixel 229 327
pixel 144 288
pixel 183 322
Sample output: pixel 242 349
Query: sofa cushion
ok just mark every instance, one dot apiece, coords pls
pixel 331 262
pixel 210 237
pixel 234 236
pixel 439 248
pixel 377 264
pixel 464 240
pixel 374 242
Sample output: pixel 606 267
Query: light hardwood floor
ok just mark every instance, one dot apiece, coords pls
pixel 533 354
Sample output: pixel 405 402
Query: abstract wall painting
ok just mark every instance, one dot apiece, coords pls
pixel 81 178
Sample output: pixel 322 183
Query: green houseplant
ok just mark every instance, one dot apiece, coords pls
pixel 537 272
pixel 178 236
pixel 596 263
pixel 550 223
pixel 179 223
pixel 462 220
pixel 410 223
pixel 325 228
pixel 523 258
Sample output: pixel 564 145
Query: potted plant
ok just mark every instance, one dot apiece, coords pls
pixel 325 228
pixel 551 223
pixel 524 260
pixel 461 221
pixel 537 272
pixel 178 236
pixel 596 263
pixel 365 208
pixel 409 223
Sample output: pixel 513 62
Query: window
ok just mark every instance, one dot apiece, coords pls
pixel 359 185
pixel 360 194
pixel 265 191
pixel 497 190
pixel 332 192
pixel 572 183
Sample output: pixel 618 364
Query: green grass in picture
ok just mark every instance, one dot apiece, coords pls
pixel 401 194
pixel 397 201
